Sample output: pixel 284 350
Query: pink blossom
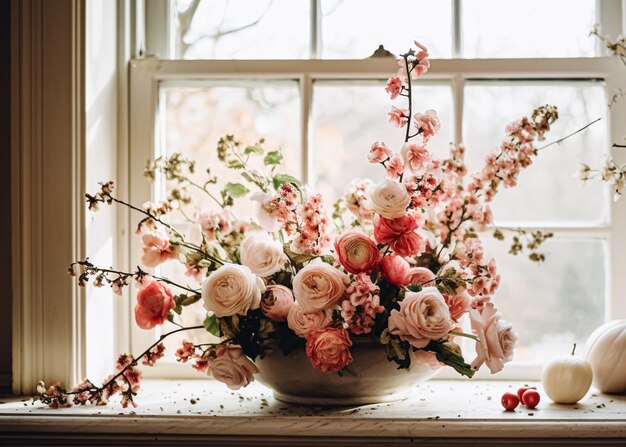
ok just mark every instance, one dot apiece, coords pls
pixel 395 167
pixel 395 270
pixel 156 249
pixel 458 304
pixel 361 304
pixel 400 234
pixel 356 198
pixel 427 124
pixel 379 152
pixel 415 157
pixel 212 223
pixel 154 354
pixel 193 270
pixel 313 237
pixel 186 352
pixel 154 303
pixel 394 87
pixel 398 117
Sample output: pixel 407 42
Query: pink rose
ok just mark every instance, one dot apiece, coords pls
pixel 415 157
pixel 394 87
pixel 276 302
pixel 398 117
pixel 319 286
pixel 329 349
pixel 156 249
pixel 423 316
pixel 401 235
pixel 422 276
pixel 231 366
pixel 356 252
pixel 154 303
pixel 302 322
pixel 458 304
pixel 395 270
pixel 427 124
pixel 379 152
pixel 395 167
pixel 496 338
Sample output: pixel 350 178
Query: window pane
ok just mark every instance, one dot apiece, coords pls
pixel 554 304
pixel 353 29
pixel 349 116
pixel 242 29
pixel 547 192
pixel 533 28
pixel 194 117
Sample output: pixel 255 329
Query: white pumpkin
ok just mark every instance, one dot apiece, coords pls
pixel 606 352
pixel 566 379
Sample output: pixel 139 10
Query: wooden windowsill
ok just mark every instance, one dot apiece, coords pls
pixel 438 410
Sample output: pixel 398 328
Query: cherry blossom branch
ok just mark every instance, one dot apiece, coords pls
pixel 560 140
pixel 409 96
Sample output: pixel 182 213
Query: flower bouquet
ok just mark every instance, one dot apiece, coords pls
pixel 397 265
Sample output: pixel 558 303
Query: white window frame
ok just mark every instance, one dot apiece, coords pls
pixel 146 74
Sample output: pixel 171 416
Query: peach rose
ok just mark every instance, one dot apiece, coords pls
pixel 395 270
pixel 400 234
pixel 232 289
pixel 496 338
pixel 262 254
pixel 302 322
pixel 422 276
pixel 154 303
pixel 329 349
pixel 356 252
pixel 458 304
pixel 156 249
pixel 389 199
pixel 231 366
pixel 319 286
pixel 276 302
pixel 423 316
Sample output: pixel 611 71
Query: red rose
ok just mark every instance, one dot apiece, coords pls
pixel 400 234
pixel 154 303
pixel 329 349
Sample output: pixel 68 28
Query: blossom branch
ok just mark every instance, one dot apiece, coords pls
pixel 560 140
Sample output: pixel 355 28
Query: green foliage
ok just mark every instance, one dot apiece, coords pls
pixel 256 149
pixel 212 325
pixel 398 351
pixel 273 158
pixel 280 179
pixel 450 354
pixel 236 190
pixel 414 287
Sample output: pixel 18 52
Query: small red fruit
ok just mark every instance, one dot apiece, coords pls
pixel 522 390
pixel 531 398
pixel 510 401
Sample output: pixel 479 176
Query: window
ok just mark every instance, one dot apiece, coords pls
pixel 298 73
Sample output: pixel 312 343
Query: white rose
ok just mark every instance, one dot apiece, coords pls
pixel 232 367
pixel 232 289
pixel 319 286
pixel 263 211
pixel 302 322
pixel 261 254
pixel 389 199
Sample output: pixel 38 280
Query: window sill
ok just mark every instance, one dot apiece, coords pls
pixel 206 410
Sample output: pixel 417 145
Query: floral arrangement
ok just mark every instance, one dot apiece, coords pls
pixel 399 262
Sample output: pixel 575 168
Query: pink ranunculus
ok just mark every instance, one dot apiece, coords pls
pixel 427 124
pixel 398 117
pixel 395 270
pixel 319 286
pixel 231 366
pixel 302 322
pixel 401 234
pixel 496 339
pixel 458 304
pixel 276 302
pixel 156 249
pixel 422 276
pixel 379 152
pixel 423 316
pixel 356 252
pixel 154 303
pixel 232 289
pixel 394 87
pixel 329 349
pixel 415 157
pixel 395 167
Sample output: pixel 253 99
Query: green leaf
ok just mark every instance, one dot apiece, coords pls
pixel 273 158
pixel 234 164
pixel 450 354
pixel 186 300
pixel 236 190
pixel 212 325
pixel 414 287
pixel 253 150
pixel 178 309
pixel 298 258
pixel 281 179
pixel 170 317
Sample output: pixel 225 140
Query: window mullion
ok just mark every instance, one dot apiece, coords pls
pixel 456 28
pixel 315 50
pixel 306 92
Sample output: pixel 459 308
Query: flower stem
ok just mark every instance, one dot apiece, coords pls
pixel 463 334
pixel 560 140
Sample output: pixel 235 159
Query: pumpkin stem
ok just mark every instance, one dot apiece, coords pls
pixel 574 350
